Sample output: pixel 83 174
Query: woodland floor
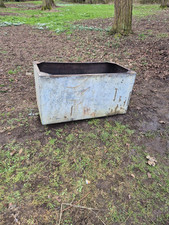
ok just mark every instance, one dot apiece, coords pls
pixel 146 51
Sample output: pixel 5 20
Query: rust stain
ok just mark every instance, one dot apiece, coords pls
pixel 84 90
pixel 115 94
pixel 86 111
pixel 71 111
pixel 79 103
pixel 79 84
pixel 122 110
pixel 115 110
pixel 110 113
pixel 93 114
pixel 76 105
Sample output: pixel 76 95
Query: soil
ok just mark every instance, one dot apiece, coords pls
pixel 146 51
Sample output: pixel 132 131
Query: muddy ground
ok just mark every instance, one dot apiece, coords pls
pixel 146 51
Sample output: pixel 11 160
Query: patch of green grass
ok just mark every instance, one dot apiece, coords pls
pixel 66 14
pixel 150 134
pixel 41 176
pixel 142 36
pixel 3 52
pixel 94 122
pixel 14 71
pixel 10 120
pixel 162 35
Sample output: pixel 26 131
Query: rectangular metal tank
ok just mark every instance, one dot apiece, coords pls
pixel 76 91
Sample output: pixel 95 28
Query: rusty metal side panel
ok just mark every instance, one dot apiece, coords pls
pixel 68 98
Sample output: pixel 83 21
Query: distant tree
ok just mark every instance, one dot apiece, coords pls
pixel 123 17
pixel 2 4
pixel 47 4
pixel 164 3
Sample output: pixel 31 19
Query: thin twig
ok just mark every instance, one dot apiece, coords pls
pixel 60 214
pixel 61 211
pixel 15 218
pixel 77 201
pixel 81 207
pixel 98 217
pixel 127 218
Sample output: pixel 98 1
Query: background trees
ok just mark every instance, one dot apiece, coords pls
pixel 164 3
pixel 2 4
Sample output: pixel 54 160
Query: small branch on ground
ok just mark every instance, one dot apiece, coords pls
pixel 77 201
pixel 81 207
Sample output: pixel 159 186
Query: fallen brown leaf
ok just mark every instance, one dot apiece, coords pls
pixel 20 151
pixel 132 175
pixel 128 145
pixel 149 175
pixel 58 198
pixel 13 153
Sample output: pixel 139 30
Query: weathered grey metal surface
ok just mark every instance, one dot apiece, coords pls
pixel 63 96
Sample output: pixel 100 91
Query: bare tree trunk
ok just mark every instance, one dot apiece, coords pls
pixel 2 4
pixel 163 3
pixel 47 4
pixel 123 17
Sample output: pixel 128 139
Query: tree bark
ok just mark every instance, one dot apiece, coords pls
pixel 47 4
pixel 163 3
pixel 2 4
pixel 123 17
